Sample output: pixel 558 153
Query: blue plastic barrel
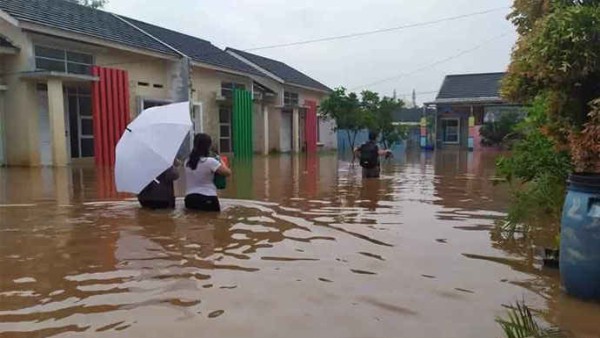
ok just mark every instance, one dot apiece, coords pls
pixel 580 237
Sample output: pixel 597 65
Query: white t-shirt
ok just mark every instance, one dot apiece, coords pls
pixel 201 180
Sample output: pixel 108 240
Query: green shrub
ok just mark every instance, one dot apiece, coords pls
pixel 537 172
pixel 497 133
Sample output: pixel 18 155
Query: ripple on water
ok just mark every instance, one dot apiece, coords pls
pixel 370 256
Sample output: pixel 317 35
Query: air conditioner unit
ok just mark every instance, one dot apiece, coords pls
pixel 219 97
pixel 258 96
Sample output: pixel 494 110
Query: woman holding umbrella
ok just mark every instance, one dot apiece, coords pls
pixel 200 170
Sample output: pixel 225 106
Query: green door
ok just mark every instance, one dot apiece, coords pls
pixel 242 123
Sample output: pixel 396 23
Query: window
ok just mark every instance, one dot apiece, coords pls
pixel 290 99
pixel 227 88
pixel 451 130
pixel 225 130
pixel 60 60
pixel 144 103
pixel 81 122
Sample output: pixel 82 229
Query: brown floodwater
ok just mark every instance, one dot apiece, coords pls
pixel 303 248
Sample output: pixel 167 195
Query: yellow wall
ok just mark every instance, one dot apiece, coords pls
pixel 140 68
pixel 206 85
pixel 21 113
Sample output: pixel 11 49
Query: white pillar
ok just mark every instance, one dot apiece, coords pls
pixel 56 112
pixel 265 130
pixel 296 130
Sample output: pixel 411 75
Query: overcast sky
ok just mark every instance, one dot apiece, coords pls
pixel 354 62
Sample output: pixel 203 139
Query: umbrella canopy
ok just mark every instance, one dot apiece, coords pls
pixel 149 145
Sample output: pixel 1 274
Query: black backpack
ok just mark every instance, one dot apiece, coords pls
pixel 369 155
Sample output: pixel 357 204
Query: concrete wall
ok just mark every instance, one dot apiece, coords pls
pixel 327 135
pixel 206 85
pixel 274 128
pixel 21 113
pixel 2 128
pixel 142 70
pixel 2 119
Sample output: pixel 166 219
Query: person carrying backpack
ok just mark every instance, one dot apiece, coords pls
pixel 368 154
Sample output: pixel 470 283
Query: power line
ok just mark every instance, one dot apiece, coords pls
pixel 450 58
pixel 353 35
pixel 377 31
pixel 325 39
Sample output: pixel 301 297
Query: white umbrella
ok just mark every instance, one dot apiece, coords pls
pixel 149 145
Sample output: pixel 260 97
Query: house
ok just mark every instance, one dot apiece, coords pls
pixel 463 104
pixel 410 118
pixel 292 123
pixel 72 77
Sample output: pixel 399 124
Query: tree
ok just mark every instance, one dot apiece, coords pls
pixel 390 133
pixel 345 109
pixel 557 55
pixel 90 3
pixel 370 112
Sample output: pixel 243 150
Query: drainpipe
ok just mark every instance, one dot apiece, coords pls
pixel 185 67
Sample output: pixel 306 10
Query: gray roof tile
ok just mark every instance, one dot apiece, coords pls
pixel 470 86
pixel 281 70
pixel 408 115
pixel 80 19
pixel 198 49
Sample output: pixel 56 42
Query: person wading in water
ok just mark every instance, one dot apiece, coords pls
pixel 369 154
pixel 200 170
pixel 159 194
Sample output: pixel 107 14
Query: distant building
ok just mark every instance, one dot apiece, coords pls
pixel 410 118
pixel 463 104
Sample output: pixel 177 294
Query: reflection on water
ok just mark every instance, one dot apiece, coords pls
pixel 304 248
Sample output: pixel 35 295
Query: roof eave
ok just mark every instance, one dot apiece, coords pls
pixel 220 69
pixel 8 50
pixel 45 75
pixel 273 76
pixel 254 65
pixel 9 18
pixel 308 88
pixel 468 100
pixel 86 38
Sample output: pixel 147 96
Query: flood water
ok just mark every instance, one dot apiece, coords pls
pixel 304 248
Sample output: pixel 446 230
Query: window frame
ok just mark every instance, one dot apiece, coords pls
pixel 228 87
pixel 458 129
pixel 291 99
pixel 65 60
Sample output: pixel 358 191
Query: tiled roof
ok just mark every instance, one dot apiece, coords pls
pixel 408 115
pixel 470 87
pixel 197 49
pixel 75 18
pixel 281 70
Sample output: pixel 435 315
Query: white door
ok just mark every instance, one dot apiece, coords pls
pixel 44 129
pixel 285 136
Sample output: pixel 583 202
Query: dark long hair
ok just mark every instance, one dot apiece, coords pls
pixel 202 144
